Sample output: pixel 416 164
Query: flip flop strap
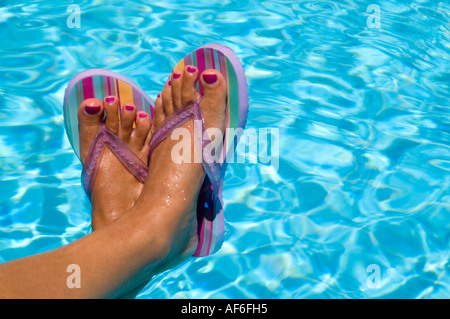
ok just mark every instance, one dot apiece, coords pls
pixel 125 155
pixel 191 110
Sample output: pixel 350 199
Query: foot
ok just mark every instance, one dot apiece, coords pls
pixel 176 184
pixel 115 188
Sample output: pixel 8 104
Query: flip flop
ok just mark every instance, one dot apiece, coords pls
pixel 210 212
pixel 99 83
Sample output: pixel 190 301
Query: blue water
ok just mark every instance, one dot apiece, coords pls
pixel 358 206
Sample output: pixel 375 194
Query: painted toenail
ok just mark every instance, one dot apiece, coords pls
pixel 159 95
pixel 142 115
pixel 92 109
pixel 191 69
pixel 210 78
pixel 129 107
pixel 176 75
pixel 110 99
pixel 169 83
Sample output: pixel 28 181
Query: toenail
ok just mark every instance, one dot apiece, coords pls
pixel 159 95
pixel 191 69
pixel 142 115
pixel 169 83
pixel 129 107
pixel 110 99
pixel 176 75
pixel 210 78
pixel 92 109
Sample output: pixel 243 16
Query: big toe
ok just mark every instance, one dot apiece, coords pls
pixel 90 116
pixel 214 97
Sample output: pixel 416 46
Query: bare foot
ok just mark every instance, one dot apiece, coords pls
pixel 170 183
pixel 177 184
pixel 115 189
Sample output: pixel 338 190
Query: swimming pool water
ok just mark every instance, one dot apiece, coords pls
pixel 361 102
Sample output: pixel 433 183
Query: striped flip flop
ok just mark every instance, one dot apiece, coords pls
pixel 98 83
pixel 210 212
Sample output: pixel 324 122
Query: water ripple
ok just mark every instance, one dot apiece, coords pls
pixel 362 113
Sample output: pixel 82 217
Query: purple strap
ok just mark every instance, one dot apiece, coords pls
pixel 191 110
pixel 126 156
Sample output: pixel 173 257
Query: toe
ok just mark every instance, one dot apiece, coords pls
pixel 214 97
pixel 111 105
pixel 189 91
pixel 90 112
pixel 90 116
pixel 128 116
pixel 167 98
pixel 214 87
pixel 177 82
pixel 140 134
pixel 159 113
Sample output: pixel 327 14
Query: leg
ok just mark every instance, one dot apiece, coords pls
pixel 157 231
pixel 107 258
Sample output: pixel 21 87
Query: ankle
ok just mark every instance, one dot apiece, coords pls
pixel 170 222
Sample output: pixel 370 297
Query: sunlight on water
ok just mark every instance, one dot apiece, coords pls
pixel 363 119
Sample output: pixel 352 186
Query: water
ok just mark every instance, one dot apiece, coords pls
pixel 362 188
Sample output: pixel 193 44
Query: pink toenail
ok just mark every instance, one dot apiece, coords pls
pixel 210 78
pixel 92 109
pixel 129 107
pixel 110 99
pixel 191 69
pixel 176 75
pixel 169 83
pixel 142 115
pixel 159 95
